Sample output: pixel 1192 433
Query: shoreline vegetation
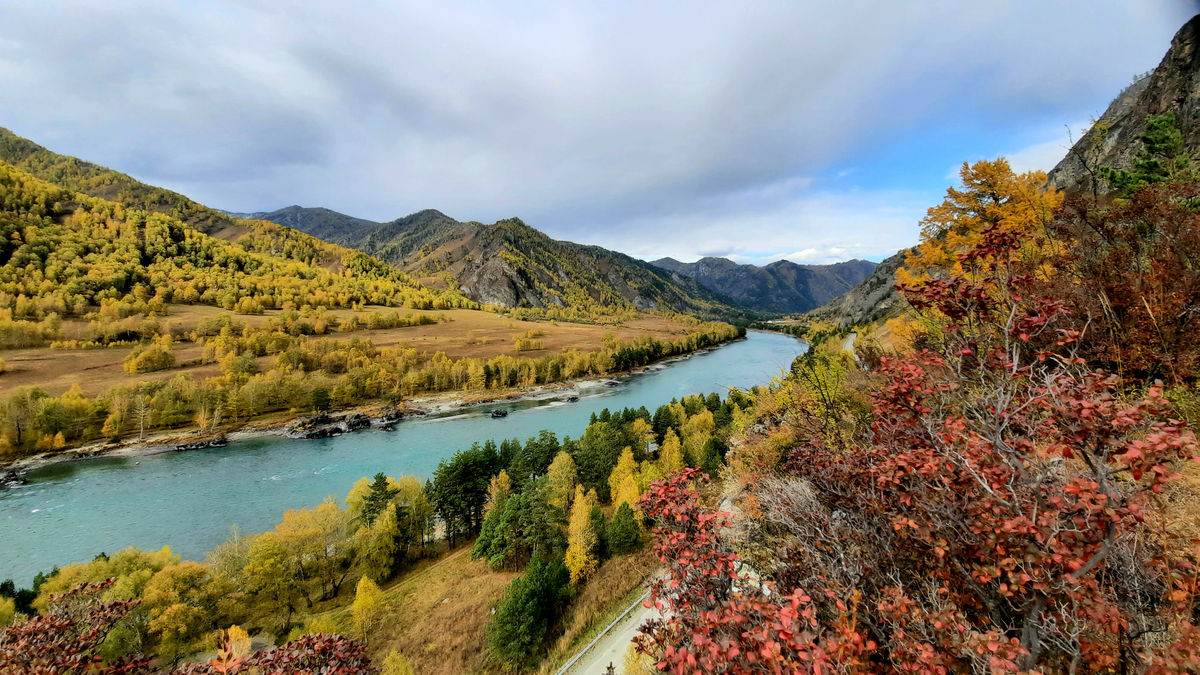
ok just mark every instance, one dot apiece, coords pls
pixel 281 422
pixel 550 523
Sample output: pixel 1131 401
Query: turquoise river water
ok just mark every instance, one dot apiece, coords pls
pixel 189 500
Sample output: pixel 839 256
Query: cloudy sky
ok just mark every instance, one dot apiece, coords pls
pixel 816 131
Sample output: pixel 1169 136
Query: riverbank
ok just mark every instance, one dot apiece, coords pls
pixel 278 424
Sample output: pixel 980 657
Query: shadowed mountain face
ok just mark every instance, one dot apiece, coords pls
pixel 782 287
pixel 1113 141
pixel 508 263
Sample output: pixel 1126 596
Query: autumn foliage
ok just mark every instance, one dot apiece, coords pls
pixel 1001 512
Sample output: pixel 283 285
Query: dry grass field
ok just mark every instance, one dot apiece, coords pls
pixel 465 333
pixel 437 615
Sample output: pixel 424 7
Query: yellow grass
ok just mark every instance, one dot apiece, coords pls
pixel 437 615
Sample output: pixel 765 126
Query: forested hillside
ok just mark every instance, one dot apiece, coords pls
pixel 782 287
pixel 511 264
pixel 258 260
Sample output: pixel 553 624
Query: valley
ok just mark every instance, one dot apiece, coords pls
pixel 958 437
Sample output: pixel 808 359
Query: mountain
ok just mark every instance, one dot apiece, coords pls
pixel 782 287
pixel 1113 140
pixel 508 263
pixel 95 231
pixel 320 223
pixel 872 299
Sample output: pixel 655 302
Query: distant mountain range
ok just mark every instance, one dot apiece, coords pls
pixel 508 262
pixel 782 287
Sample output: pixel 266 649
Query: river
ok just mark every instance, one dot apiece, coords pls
pixel 71 511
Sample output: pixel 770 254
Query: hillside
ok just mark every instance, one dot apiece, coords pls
pixel 234 258
pixel 509 263
pixel 1114 140
pixel 782 287
pixel 870 300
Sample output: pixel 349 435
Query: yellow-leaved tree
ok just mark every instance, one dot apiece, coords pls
pixel 581 538
pixel 183 602
pixel 376 545
pixel 561 478
pixel 670 455
pixel 369 606
pixel 991 195
pixel 8 611
pixel 626 467
pixel 498 490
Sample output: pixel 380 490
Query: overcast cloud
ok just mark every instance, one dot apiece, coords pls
pixel 815 131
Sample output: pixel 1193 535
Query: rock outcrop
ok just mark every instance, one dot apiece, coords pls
pixel 1172 88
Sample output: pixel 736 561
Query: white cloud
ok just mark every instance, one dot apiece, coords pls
pixel 596 121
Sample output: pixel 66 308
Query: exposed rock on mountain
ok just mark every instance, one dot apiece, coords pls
pixel 783 286
pixel 871 300
pixel 1113 141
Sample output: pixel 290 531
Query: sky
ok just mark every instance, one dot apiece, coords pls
pixel 812 131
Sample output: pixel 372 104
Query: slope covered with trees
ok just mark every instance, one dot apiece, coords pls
pixel 333 568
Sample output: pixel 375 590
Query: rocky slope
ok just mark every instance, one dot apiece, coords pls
pixel 871 300
pixel 782 287
pixel 1173 87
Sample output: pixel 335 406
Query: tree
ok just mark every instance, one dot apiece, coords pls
pixel 370 605
pixel 562 477
pixel 183 601
pixel 498 490
pixel 600 526
pixel 270 577
pixel 581 559
pixel 377 546
pixel 1162 159
pixel 991 196
pixel 381 491
pixel 626 468
pixel 670 455
pixel 8 610
pixel 459 489
pixel 523 526
pixel 316 545
pixel 624 535
pixel 528 611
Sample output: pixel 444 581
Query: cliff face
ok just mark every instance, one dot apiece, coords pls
pixel 1173 87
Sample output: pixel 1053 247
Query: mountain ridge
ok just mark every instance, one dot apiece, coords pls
pixel 782 286
pixel 508 263
pixel 1114 140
